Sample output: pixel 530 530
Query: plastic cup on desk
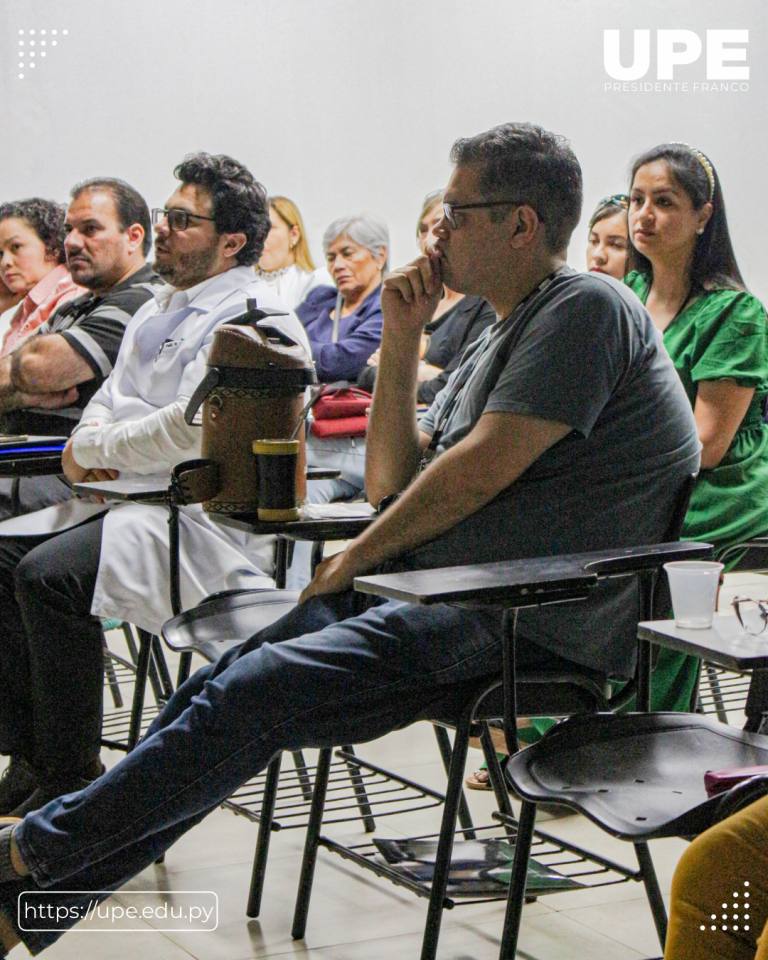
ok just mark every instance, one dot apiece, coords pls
pixel 276 462
pixel 693 585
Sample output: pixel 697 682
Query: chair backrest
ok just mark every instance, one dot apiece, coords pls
pixel 660 598
pixel 750 555
pixel 675 528
pixel 645 563
pixel 636 559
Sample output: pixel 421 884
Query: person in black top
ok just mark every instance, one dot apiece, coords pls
pixel 46 383
pixel 458 321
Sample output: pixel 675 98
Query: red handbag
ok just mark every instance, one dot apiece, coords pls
pixel 718 781
pixel 341 413
pixel 341 404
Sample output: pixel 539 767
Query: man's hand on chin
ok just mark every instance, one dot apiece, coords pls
pixel 410 295
pixel 334 575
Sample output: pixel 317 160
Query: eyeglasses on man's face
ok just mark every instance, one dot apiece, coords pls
pixel 751 614
pixel 449 209
pixel 178 218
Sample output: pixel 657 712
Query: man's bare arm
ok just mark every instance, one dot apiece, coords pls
pixel 12 398
pixel 48 364
pixel 394 444
pixel 5 382
pixel 451 489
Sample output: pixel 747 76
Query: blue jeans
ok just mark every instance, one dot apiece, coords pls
pixel 346 454
pixel 318 491
pixel 330 672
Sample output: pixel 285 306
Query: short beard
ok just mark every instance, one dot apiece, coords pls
pixel 87 277
pixel 187 269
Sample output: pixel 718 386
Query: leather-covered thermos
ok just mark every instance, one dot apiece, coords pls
pixel 253 390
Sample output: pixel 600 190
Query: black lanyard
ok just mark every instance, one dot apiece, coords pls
pixel 450 401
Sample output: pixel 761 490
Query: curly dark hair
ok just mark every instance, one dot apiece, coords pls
pixel 45 217
pixel 239 203
pixel 524 162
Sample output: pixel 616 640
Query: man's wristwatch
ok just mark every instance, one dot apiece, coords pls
pixel 386 502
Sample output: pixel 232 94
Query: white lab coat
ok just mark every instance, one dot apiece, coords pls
pixel 135 424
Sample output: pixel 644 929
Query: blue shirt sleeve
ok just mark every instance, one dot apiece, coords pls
pixel 359 336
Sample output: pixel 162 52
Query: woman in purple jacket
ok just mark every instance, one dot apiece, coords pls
pixel 343 323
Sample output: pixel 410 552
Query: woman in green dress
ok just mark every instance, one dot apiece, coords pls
pixel 682 266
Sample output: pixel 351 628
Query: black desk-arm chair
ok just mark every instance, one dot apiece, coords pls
pixel 225 620
pixel 499 585
pixel 639 777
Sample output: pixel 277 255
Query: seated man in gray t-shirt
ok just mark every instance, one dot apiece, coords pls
pixel 565 428
pixel 582 351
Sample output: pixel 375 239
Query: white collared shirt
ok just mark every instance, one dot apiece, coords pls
pixel 135 422
pixel 170 298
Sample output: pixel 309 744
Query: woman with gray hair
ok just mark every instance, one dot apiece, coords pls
pixel 343 323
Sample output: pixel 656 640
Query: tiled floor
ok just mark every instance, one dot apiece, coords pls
pixel 356 916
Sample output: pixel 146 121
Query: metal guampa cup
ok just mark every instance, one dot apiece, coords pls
pixel 276 462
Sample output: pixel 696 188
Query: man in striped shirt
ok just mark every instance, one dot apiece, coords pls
pixel 46 384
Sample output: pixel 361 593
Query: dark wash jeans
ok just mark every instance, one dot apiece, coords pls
pixel 329 672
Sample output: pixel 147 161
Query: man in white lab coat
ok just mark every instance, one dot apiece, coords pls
pixel 116 563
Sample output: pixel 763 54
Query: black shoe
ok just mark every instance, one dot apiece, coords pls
pixel 18 782
pixel 52 791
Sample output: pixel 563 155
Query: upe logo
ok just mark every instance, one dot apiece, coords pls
pixel 677 48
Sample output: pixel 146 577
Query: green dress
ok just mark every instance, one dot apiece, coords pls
pixel 722 334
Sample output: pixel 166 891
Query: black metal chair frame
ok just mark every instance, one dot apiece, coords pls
pixel 756 709
pixel 522 695
pixel 358 789
pixel 689 820
pixel 720 691
pixel 726 689
pixel 122 728
pixel 354 780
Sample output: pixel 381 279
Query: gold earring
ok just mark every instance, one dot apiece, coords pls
pixel 291 247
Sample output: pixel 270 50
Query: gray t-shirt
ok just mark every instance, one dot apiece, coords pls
pixel 582 350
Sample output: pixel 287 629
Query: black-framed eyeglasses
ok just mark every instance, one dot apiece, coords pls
pixel 746 610
pixel 178 219
pixel 449 209
pixel 620 199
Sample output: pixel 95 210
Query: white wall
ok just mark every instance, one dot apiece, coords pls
pixel 348 105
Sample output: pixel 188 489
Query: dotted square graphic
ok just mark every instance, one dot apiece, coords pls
pixel 36 43
pixel 739 914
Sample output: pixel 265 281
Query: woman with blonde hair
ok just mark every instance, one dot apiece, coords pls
pixel 286 264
